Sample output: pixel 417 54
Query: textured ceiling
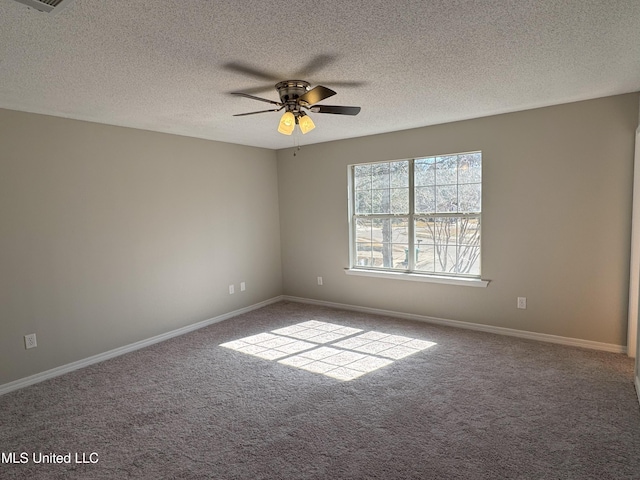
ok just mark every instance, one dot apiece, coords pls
pixel 169 65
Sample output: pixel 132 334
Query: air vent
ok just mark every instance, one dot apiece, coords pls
pixel 47 6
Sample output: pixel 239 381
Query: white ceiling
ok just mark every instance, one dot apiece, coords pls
pixel 169 65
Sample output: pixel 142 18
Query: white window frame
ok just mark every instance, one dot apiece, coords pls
pixel 409 273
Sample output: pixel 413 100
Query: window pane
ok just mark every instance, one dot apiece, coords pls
pixel 425 258
pixel 376 259
pixel 362 177
pixel 400 230
pixel 424 172
pixel 424 230
pixel 445 258
pixel 445 233
pixel 400 256
pixel 425 199
pixel 389 242
pixel 447 199
pixel 376 229
pixel 468 255
pixel 363 254
pixel 469 231
pixel 468 261
pixel 380 233
pixel 470 168
pixel 447 170
pixel 380 175
pixel 396 242
pixel 448 245
pixel 394 255
pixel 380 201
pixel 400 174
pixel 383 240
pixel 363 242
pixel 363 230
pixel 363 201
pixel 469 198
pixel 436 249
pixel 399 200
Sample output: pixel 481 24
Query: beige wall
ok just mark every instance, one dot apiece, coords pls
pixel 111 235
pixel 557 191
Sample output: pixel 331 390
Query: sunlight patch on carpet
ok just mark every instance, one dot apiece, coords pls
pixel 339 352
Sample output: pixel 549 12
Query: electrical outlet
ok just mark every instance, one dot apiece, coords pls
pixel 522 303
pixel 319 280
pixel 232 289
pixel 243 287
pixel 30 341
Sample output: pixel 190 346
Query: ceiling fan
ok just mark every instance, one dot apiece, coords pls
pixel 297 97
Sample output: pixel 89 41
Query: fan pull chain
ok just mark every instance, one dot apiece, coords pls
pixel 296 142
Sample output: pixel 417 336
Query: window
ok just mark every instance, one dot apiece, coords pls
pixel 419 215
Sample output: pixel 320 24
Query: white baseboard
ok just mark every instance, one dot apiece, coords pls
pixel 70 367
pixel 542 337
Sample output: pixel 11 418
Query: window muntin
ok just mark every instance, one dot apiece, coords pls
pixel 419 215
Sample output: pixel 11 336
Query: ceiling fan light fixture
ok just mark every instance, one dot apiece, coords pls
pixel 287 123
pixel 296 95
pixel 306 124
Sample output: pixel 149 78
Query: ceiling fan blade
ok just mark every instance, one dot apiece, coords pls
pixel 261 111
pixel 336 109
pixel 253 97
pixel 259 89
pixel 344 84
pixel 316 95
pixel 254 72
pixel 315 64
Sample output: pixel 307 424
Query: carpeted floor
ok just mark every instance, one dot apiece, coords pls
pixel 448 404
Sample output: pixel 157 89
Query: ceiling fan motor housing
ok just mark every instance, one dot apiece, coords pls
pixel 290 91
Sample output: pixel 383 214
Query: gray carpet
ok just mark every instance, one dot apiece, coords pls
pixel 473 406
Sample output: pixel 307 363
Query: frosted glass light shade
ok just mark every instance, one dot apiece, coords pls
pixel 287 123
pixel 306 124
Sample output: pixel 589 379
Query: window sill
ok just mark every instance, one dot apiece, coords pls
pixel 416 277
